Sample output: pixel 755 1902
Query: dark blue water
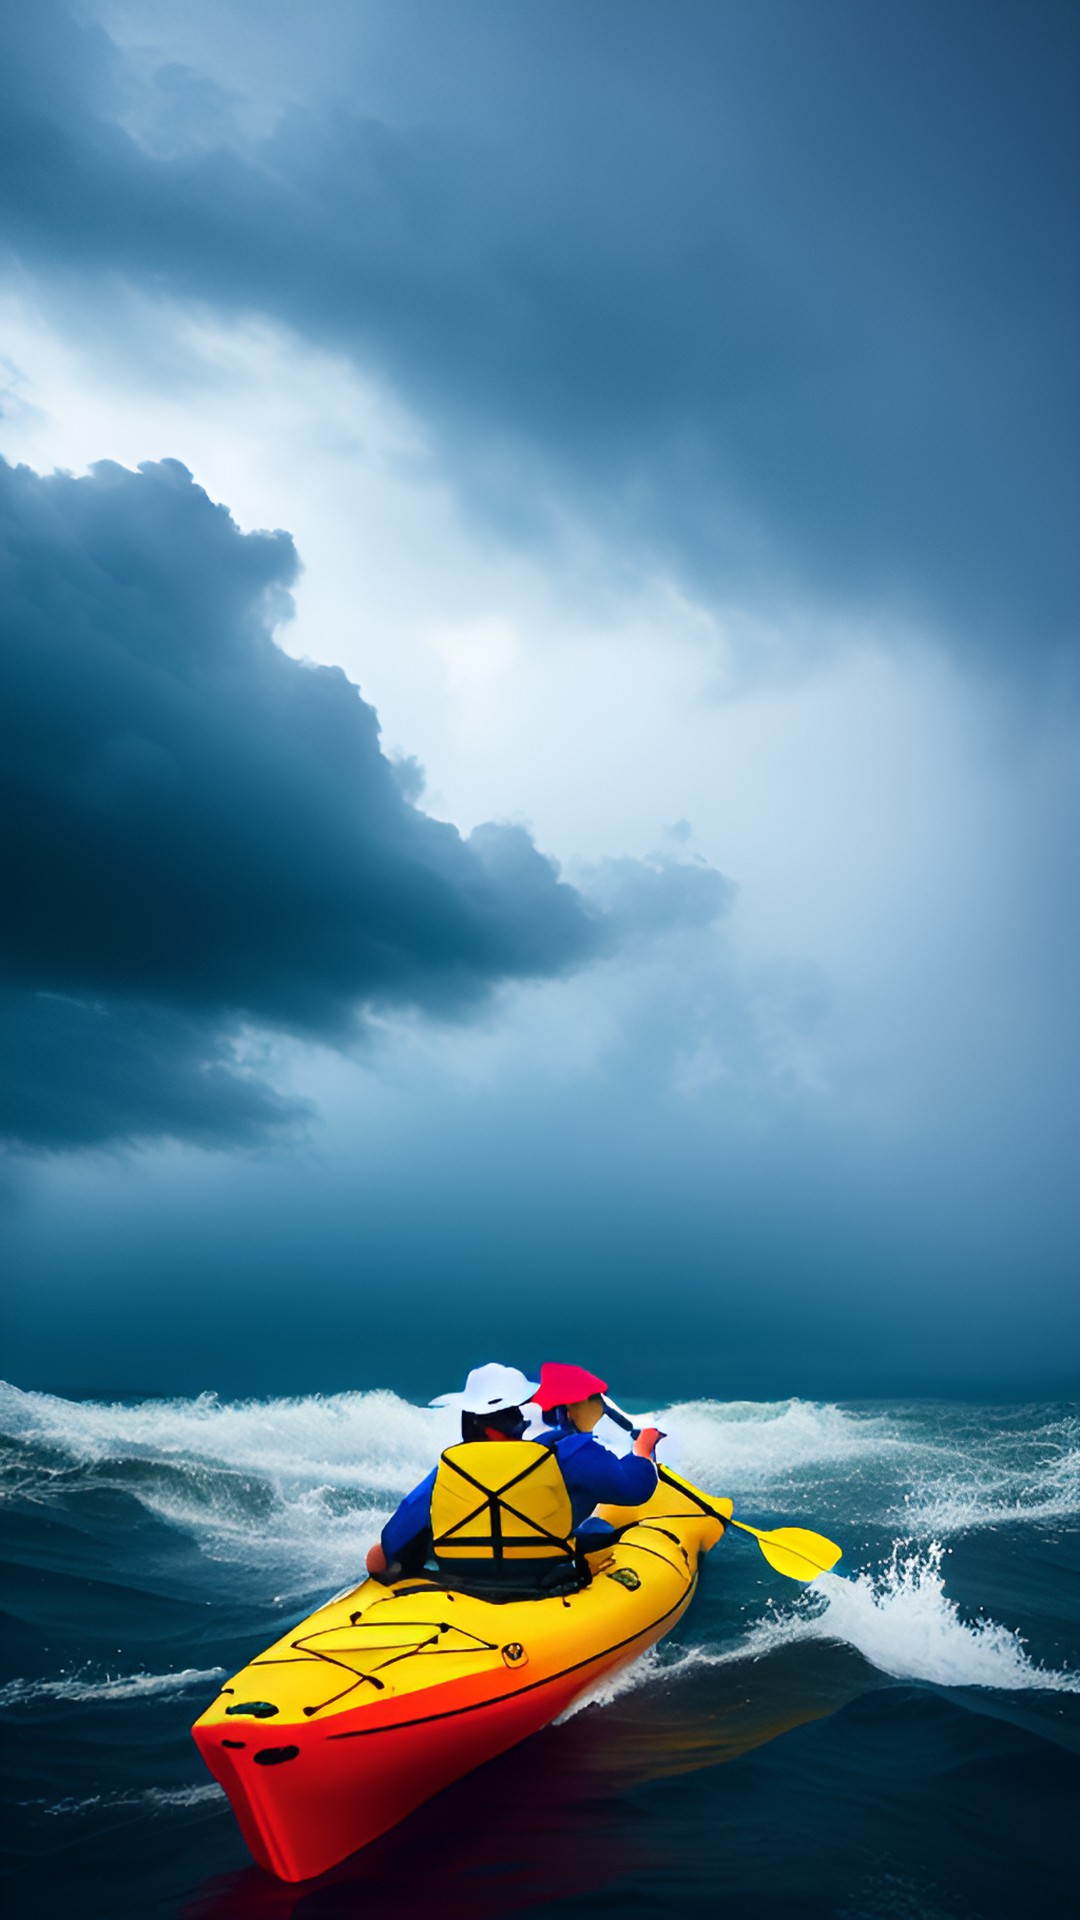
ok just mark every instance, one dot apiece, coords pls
pixel 898 1743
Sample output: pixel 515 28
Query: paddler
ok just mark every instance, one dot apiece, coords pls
pixel 573 1401
pixel 490 1404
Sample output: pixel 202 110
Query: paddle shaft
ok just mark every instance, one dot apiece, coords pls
pixel 766 1542
pixel 623 1420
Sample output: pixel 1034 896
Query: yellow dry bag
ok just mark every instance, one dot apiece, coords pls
pixel 500 1500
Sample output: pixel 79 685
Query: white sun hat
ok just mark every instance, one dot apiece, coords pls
pixel 489 1390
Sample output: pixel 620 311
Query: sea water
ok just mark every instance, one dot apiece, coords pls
pixel 898 1741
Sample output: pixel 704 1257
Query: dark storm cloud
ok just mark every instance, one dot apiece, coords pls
pixel 781 295
pixel 202 832
pixel 76 1073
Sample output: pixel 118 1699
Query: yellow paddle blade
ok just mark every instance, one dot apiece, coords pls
pixel 795 1551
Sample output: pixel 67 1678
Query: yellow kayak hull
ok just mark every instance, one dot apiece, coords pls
pixel 388 1693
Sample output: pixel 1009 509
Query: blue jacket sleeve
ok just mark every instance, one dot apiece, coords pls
pixel 411 1518
pixel 596 1477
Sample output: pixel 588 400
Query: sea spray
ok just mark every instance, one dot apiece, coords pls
pixel 995 1479
pixel 613 1685
pixel 902 1621
pixel 658 1665
pixel 371 1439
pixel 748 1445
pixel 295 1489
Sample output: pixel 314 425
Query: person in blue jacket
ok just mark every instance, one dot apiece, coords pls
pixel 491 1409
pixel 572 1399
pixel 490 1405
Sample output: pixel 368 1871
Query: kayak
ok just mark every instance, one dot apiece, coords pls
pixel 388 1693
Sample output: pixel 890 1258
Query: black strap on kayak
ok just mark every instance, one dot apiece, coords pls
pixel 690 1493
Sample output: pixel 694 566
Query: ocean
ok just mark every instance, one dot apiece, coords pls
pixel 900 1741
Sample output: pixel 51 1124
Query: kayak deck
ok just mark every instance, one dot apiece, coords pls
pixel 388 1693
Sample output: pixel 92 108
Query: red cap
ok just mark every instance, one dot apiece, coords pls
pixel 564 1386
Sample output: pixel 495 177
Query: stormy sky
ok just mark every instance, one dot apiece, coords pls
pixel 539 704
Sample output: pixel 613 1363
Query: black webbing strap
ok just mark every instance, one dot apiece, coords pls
pixel 690 1493
pixel 494 1499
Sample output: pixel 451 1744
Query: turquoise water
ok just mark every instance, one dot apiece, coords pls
pixel 900 1740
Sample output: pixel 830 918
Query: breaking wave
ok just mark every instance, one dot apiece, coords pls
pixel 755 1447
pixel 304 1485
pixel 373 1440
pixel 299 1486
pixel 902 1621
pixel 899 1619
pixel 293 1491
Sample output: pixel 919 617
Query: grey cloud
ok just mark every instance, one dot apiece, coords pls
pixel 640 898
pixel 80 1073
pixel 207 832
pixel 778 296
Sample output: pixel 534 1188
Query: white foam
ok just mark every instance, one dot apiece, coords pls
pixel 145 1799
pixel 902 1621
pixel 377 1441
pixel 164 1799
pixel 1033 1481
pixel 82 1687
pixel 927 1472
pixel 656 1665
pixel 637 1673
pixel 300 1487
pixel 374 1440
pixel 752 1446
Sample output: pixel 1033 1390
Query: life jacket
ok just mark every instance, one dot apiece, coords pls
pixel 500 1501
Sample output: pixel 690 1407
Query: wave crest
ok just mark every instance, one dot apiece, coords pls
pixel 298 1488
pixel 901 1620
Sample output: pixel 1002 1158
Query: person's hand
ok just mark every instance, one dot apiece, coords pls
pixel 376 1559
pixel 645 1444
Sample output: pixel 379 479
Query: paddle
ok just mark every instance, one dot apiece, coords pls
pixel 793 1551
